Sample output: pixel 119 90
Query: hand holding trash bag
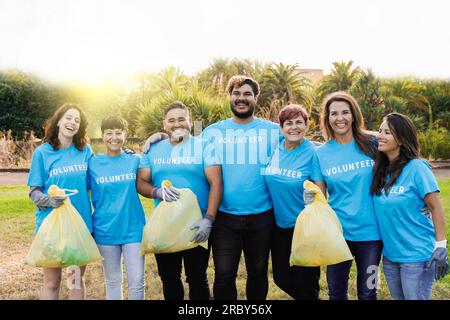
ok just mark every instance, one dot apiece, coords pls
pixel 308 196
pixel 63 238
pixel 168 229
pixel 166 194
pixel 44 201
pixel 318 238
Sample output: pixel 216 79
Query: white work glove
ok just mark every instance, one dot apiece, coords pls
pixel 203 227
pixel 170 194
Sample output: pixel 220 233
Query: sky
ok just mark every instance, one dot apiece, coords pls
pixel 79 40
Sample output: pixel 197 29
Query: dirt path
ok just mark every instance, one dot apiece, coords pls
pixel 442 173
pixel 13 178
pixel 20 178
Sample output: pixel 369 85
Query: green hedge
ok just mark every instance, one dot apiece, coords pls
pixel 435 143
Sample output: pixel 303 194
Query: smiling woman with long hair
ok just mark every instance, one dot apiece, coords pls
pixel 62 160
pixel 404 192
pixel 343 167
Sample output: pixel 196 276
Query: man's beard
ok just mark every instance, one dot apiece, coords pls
pixel 243 115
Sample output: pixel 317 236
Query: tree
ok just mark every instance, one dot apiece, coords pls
pixel 171 78
pixel 26 102
pixel 406 96
pixel 216 75
pixel 204 105
pixel 285 84
pixel 341 78
pixel 438 96
pixel 145 86
pixel 367 91
pixel 220 71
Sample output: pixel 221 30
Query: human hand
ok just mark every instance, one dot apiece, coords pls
pixel 168 194
pixel 439 262
pixel 43 201
pixel 153 139
pixel 308 196
pixel 128 151
pixel 203 227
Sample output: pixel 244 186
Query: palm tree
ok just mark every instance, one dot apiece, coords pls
pixel 243 67
pixel 217 74
pixel 367 91
pixel 171 78
pixel 438 95
pixel 285 84
pixel 342 77
pixel 143 86
pixel 411 95
pixel 206 107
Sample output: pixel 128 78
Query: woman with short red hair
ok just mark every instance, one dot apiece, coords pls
pixel 289 167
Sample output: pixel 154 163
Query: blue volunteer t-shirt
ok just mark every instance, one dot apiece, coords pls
pixel 66 168
pixel 347 172
pixel 118 216
pixel 182 164
pixel 408 234
pixel 285 174
pixel 244 151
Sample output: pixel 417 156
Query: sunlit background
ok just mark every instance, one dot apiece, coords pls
pixel 134 57
pixel 93 40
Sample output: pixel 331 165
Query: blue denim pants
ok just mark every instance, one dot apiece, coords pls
pixel 367 256
pixel 408 281
pixel 112 269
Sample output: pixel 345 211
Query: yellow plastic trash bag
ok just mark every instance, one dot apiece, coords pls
pixel 63 238
pixel 318 238
pixel 168 229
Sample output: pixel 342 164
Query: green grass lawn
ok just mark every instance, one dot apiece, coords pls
pixel 24 282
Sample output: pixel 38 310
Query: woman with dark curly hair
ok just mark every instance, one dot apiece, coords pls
pixel 62 160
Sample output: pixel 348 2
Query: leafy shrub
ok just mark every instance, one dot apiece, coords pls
pixel 205 108
pixel 435 143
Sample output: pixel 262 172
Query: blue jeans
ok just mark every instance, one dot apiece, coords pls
pixel 367 257
pixel 408 281
pixel 233 234
pixel 112 269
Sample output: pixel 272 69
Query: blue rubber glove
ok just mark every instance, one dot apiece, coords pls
pixel 203 227
pixel 154 138
pixel 308 196
pixel 439 262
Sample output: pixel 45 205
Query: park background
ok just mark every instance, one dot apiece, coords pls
pixel 134 59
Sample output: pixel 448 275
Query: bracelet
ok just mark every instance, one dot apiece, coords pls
pixel 210 217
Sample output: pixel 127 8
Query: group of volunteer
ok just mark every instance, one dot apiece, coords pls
pixel 247 176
